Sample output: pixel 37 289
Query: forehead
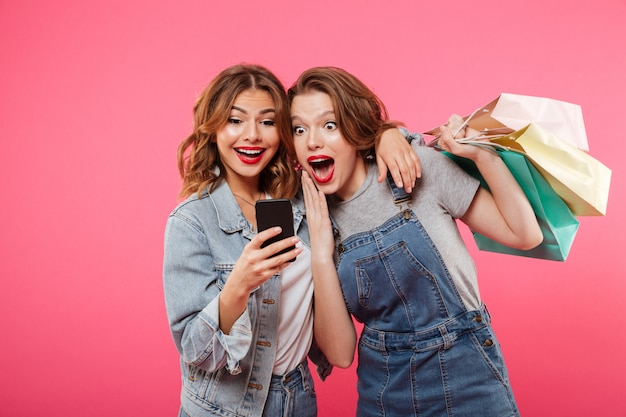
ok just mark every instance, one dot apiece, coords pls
pixel 311 104
pixel 253 98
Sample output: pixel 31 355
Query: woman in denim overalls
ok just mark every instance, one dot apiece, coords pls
pixel 427 346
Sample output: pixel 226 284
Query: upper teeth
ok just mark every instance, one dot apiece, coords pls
pixel 249 151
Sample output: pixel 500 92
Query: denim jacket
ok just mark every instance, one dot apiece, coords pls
pixel 222 374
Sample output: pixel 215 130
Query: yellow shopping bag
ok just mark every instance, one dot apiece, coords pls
pixel 579 179
pixel 551 133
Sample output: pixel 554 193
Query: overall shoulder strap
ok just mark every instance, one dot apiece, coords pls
pixel 399 197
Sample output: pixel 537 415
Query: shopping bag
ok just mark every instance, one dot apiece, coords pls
pixel 515 111
pixel 554 141
pixel 582 181
pixel 510 112
pixel 558 224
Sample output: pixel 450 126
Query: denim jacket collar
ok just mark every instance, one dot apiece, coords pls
pixel 229 216
pixel 225 206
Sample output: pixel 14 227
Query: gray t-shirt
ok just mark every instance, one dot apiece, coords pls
pixel 442 195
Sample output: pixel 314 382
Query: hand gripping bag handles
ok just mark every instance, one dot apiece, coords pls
pixel 558 224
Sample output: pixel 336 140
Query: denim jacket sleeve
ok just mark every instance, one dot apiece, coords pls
pixel 412 136
pixel 192 285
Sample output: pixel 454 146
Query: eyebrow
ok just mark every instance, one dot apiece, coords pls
pixel 264 111
pixel 324 114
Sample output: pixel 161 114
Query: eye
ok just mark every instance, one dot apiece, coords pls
pixel 330 125
pixel 268 122
pixel 234 121
pixel 298 130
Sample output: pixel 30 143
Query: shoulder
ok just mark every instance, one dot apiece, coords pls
pixel 191 204
pixel 434 160
pixel 440 172
pixel 192 212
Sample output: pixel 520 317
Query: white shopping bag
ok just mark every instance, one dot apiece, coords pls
pixel 516 111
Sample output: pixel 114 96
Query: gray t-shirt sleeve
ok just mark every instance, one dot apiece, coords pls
pixel 445 181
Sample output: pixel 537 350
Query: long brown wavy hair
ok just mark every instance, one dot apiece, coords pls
pixel 361 115
pixel 198 156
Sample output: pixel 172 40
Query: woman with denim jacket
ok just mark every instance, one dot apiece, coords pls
pixel 241 319
pixel 427 347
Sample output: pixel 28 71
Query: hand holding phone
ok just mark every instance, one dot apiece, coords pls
pixel 275 212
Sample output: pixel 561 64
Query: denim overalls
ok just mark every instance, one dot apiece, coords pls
pixel 421 353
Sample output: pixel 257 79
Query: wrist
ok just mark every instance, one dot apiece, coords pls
pixel 235 295
pixel 323 260
pixel 484 156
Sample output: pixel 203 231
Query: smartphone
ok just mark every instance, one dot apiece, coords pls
pixel 275 212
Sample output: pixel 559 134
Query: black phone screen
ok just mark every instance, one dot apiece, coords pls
pixel 275 212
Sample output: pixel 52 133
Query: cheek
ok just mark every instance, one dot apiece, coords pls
pixel 272 137
pixel 298 145
pixel 228 132
pixel 346 158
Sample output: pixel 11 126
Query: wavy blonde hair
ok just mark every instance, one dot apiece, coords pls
pixel 198 156
pixel 361 115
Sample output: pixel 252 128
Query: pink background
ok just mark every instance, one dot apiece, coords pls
pixel 96 96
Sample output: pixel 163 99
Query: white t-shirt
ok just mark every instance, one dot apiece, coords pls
pixel 295 323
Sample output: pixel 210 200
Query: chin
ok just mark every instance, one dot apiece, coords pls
pixel 326 188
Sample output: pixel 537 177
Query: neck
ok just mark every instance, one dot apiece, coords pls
pixel 354 182
pixel 247 188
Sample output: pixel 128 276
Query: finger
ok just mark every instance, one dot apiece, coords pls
pixel 394 167
pixel 382 169
pixel 266 234
pixel 445 138
pixel 398 176
pixel 308 189
pixel 285 259
pixel 304 180
pixel 415 161
pixel 271 251
pixel 323 205
pixel 456 124
pixel 408 171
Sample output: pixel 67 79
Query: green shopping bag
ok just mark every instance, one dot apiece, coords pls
pixel 558 224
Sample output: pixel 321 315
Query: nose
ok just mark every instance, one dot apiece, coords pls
pixel 252 132
pixel 313 140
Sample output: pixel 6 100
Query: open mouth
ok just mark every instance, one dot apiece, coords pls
pixel 323 168
pixel 249 155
